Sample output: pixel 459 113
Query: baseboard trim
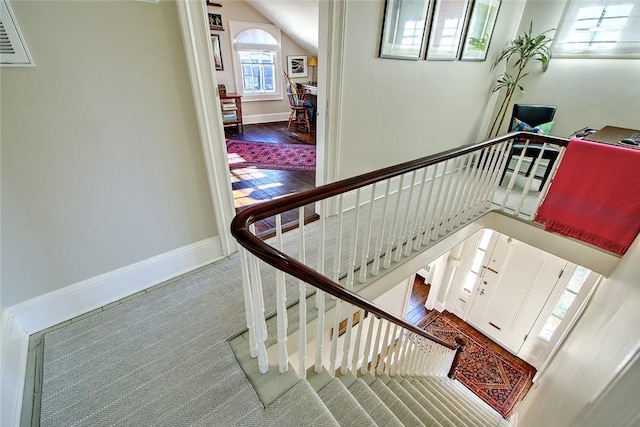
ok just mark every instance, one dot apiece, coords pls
pixel 265 118
pixel 13 362
pixel 71 301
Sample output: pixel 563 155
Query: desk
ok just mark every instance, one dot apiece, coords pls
pixel 311 91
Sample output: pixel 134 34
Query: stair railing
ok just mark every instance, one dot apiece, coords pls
pixel 367 224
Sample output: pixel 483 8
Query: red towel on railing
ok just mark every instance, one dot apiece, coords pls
pixel 595 196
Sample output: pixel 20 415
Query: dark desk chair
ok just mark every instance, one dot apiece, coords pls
pixel 533 116
pixel 299 104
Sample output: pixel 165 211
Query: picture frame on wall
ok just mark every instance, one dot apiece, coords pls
pixel 399 15
pixel 215 22
pixel 480 29
pixel 297 66
pixel 217 53
pixel 448 25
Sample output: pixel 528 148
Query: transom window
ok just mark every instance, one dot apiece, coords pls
pixel 599 28
pixel 256 51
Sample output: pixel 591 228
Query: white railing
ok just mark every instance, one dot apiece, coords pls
pixel 369 224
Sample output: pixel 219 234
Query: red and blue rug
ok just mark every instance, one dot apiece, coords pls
pixel 270 155
pixel 495 375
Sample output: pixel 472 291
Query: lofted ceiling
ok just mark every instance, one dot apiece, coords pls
pixel 298 19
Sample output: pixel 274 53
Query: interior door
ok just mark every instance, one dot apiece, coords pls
pixel 513 289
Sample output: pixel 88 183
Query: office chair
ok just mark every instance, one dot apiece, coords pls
pixel 534 116
pixel 299 104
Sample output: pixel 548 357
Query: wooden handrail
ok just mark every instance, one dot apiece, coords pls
pixel 241 222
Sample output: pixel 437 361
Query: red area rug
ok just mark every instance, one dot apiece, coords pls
pixel 492 373
pixel 268 155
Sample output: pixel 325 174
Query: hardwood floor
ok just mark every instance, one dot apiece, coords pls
pixel 252 185
pixel 415 309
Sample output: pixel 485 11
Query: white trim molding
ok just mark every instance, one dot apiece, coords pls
pixel 265 118
pixel 204 86
pixel 13 368
pixel 74 300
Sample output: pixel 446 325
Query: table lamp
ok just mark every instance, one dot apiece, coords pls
pixel 313 63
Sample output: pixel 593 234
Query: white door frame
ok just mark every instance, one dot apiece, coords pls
pixel 204 84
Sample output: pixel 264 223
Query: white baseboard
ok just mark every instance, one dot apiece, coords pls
pixel 13 368
pixel 265 118
pixel 71 301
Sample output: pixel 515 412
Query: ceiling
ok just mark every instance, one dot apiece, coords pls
pixel 298 19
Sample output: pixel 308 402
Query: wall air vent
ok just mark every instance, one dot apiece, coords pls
pixel 13 48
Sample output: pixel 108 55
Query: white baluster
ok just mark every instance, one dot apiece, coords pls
pixel 384 350
pixel 404 225
pixel 320 295
pixel 434 226
pixel 302 300
pixel 356 350
pixel 367 241
pixel 457 193
pixel 367 348
pixel 427 208
pixel 514 175
pixel 419 215
pixel 393 345
pixel 281 306
pixel 353 247
pixel 393 229
pixel 479 159
pixel 376 349
pixel 346 345
pixel 465 190
pixel 338 243
pixel 248 303
pixel 334 340
pixel 544 190
pixel 448 195
pixel 258 305
pixel 379 238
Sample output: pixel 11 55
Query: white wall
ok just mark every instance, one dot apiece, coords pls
pixel 102 165
pixel 397 110
pixel 588 92
pixel 595 351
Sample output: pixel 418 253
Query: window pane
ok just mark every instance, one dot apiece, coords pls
pixel 469 282
pixel 578 278
pixel 446 29
pixel 549 328
pixel 477 261
pixel 486 237
pixel 563 304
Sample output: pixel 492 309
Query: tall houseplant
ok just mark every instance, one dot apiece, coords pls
pixel 520 52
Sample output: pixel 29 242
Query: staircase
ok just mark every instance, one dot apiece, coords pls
pixel 384 401
pixel 379 369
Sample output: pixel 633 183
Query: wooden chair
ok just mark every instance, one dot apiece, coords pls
pixel 534 115
pixel 298 104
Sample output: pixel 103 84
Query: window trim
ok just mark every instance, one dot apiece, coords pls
pixel 571 10
pixel 235 28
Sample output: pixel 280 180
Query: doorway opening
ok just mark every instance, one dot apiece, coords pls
pixel 252 185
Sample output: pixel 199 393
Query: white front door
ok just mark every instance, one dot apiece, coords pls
pixel 513 289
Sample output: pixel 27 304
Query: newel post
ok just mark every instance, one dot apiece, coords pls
pixel 462 345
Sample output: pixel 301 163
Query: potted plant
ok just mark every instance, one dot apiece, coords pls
pixel 521 51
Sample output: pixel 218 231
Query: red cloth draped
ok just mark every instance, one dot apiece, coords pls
pixel 595 196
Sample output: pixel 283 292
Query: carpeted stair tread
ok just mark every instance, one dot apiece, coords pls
pixel 344 407
pixel 374 406
pixel 401 411
pixel 453 405
pixel 415 406
pixel 461 391
pixel 299 406
pixel 449 389
pixel 439 411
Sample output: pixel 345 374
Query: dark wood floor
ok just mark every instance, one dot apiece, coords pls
pixel 415 309
pixel 252 185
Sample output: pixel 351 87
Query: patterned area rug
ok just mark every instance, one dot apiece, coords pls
pixel 496 376
pixel 268 155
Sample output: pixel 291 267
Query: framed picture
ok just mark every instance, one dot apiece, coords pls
pixel 297 66
pixel 480 29
pixel 449 18
pixel 217 54
pixel 403 29
pixel 212 3
pixel 215 22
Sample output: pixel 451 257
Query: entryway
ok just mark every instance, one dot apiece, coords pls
pixel 253 185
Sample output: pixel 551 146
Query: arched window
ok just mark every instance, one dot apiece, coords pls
pixel 256 57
